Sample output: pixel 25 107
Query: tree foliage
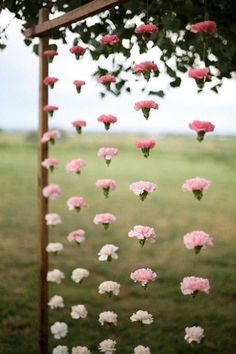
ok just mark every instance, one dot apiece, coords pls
pixel 180 48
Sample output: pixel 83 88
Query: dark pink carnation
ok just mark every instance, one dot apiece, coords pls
pixel 145 106
pixel 201 128
pixel 78 124
pixel 107 119
pixel 50 109
pixel 145 66
pixel 198 74
pixel 205 26
pixel 78 83
pixel 149 28
pixel 77 50
pixel 106 79
pixel 110 39
pixel 50 81
pixel 145 146
pixel 50 53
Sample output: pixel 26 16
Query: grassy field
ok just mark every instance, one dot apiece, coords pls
pixel 172 214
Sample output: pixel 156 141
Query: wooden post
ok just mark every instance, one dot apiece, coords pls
pixel 42 182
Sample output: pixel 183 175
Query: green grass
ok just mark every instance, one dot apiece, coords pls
pixel 172 214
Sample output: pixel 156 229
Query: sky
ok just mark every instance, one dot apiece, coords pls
pixel 19 95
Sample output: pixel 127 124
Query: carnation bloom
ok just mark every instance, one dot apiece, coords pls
pixel 143 234
pixel 105 219
pixel 107 185
pixel 192 285
pixel 200 75
pixel 143 276
pixel 107 119
pixel 108 252
pixel 78 124
pixel 50 109
pixel 50 163
pixel 55 276
pixel 142 188
pixel 140 349
pixel 196 185
pixel 50 81
pixel 60 349
pixel 59 330
pixel 109 287
pixel 78 84
pixel 78 51
pixel 148 28
pixel 108 317
pixel 194 334
pixel 56 302
pixel 53 219
pixel 75 166
pixel 145 68
pixel 204 26
pixel 145 106
pixel 54 247
pixel 106 80
pixel 79 274
pixel 142 316
pixel 197 240
pixel 50 54
pixel 145 146
pixel 107 346
pixel 78 311
pixel 50 136
pixel 76 203
pixel 52 191
pixel 80 350
pixel 77 236
pixel 107 153
pixel 201 128
pixel 110 39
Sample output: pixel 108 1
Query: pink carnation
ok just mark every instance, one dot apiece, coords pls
pixel 51 136
pixel 149 28
pixel 78 124
pixel 143 234
pixel 106 79
pixel 110 39
pixel 142 188
pixel 201 128
pixel 105 219
pixel 50 54
pixel 78 51
pixel 196 185
pixel 145 106
pixel 205 26
pixel 197 240
pixel 145 68
pixel 198 74
pixel 76 203
pixel 78 84
pixel 50 81
pixel 75 166
pixel 107 153
pixel 52 191
pixel 192 285
pixel 107 185
pixel 145 146
pixel 77 236
pixel 107 119
pixel 50 109
pixel 49 163
pixel 143 276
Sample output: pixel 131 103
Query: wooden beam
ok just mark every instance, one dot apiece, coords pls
pixel 43 202
pixel 89 9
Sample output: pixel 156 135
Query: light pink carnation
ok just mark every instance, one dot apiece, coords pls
pixel 50 54
pixel 76 203
pixel 50 109
pixel 145 68
pixel 107 185
pixel 52 219
pixel 78 124
pixel 145 106
pixel 50 81
pixel 194 334
pixel 198 74
pixel 77 236
pixel 110 39
pixel 204 26
pixel 50 163
pixel 52 191
pixel 196 185
pixel 106 79
pixel 107 119
pixel 145 146
pixel 142 188
pixel 75 166
pixel 78 84
pixel 143 234
pixel 143 276
pixel 192 285
pixel 105 219
pixel 201 128
pixel 148 28
pixel 197 240
pixel 107 153
pixel 50 136
pixel 78 51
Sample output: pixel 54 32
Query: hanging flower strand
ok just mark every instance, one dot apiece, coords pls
pixel 145 146
pixel 145 106
pixel 107 119
pixel 201 128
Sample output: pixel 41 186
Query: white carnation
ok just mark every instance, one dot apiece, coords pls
pixel 110 287
pixel 108 252
pixel 79 274
pixel 107 346
pixel 194 334
pixel 78 311
pixel 56 302
pixel 52 219
pixel 60 349
pixel 142 316
pixel 140 349
pixel 108 317
pixel 55 276
pixel 54 247
pixel 59 330
pixel 80 350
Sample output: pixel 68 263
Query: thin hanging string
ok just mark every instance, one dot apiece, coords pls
pixel 203 36
pixel 147 12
